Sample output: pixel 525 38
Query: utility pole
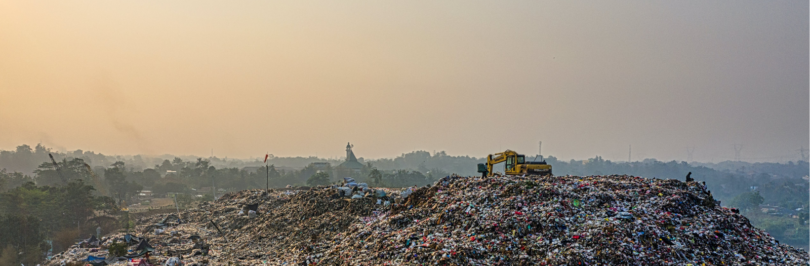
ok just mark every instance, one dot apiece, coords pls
pixel 267 187
pixel 737 149
pixel 267 167
pixel 630 153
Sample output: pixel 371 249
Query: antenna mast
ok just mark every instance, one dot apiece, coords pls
pixel 737 149
pixel 630 152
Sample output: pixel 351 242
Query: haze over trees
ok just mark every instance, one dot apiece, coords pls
pixel 39 203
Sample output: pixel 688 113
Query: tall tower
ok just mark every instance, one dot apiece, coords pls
pixel 540 148
pixel 539 151
pixel 737 149
pixel 350 154
pixel 629 152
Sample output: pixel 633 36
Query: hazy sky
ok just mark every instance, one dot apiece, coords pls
pixel 468 77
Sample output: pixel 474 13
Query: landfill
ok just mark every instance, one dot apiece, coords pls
pixel 503 220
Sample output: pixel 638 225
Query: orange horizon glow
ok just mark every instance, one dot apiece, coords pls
pixel 470 78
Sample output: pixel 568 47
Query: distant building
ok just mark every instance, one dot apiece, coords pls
pixel 168 172
pixel 351 161
pixel 145 194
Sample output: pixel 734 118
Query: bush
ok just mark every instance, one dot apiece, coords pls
pixel 117 249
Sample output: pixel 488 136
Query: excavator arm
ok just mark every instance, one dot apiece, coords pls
pixel 499 158
pixel 494 159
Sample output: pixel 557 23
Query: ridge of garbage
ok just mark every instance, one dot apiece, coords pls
pixel 507 220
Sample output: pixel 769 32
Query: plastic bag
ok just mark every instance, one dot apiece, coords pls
pixel 407 193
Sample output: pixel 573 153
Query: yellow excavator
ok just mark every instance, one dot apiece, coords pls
pixel 516 164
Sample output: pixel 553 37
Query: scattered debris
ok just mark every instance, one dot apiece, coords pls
pixel 512 220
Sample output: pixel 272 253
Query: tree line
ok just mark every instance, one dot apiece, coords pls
pixel 49 207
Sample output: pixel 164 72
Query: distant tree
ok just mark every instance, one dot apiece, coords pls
pixel 404 178
pixel 320 178
pixel 72 170
pixel 23 159
pixel 9 181
pixel 105 204
pixel 150 176
pixel 77 200
pixel 24 235
pixel 116 179
pixel 747 200
pixel 375 176
pixel 177 164
pixel 273 172
pixel 165 166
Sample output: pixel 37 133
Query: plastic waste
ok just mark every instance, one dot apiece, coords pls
pixel 406 193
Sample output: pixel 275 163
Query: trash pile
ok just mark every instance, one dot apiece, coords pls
pixel 511 220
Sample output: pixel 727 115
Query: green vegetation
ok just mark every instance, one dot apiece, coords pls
pixel 318 179
pixel 747 201
pixel 375 176
pixel 118 249
pixel 783 227
pixel 23 239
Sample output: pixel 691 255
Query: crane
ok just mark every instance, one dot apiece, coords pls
pixel 56 166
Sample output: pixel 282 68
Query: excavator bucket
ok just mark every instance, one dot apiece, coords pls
pixel 482 168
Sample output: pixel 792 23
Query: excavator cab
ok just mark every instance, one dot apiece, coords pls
pixel 510 163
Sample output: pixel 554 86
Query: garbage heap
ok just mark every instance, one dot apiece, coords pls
pixel 512 220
